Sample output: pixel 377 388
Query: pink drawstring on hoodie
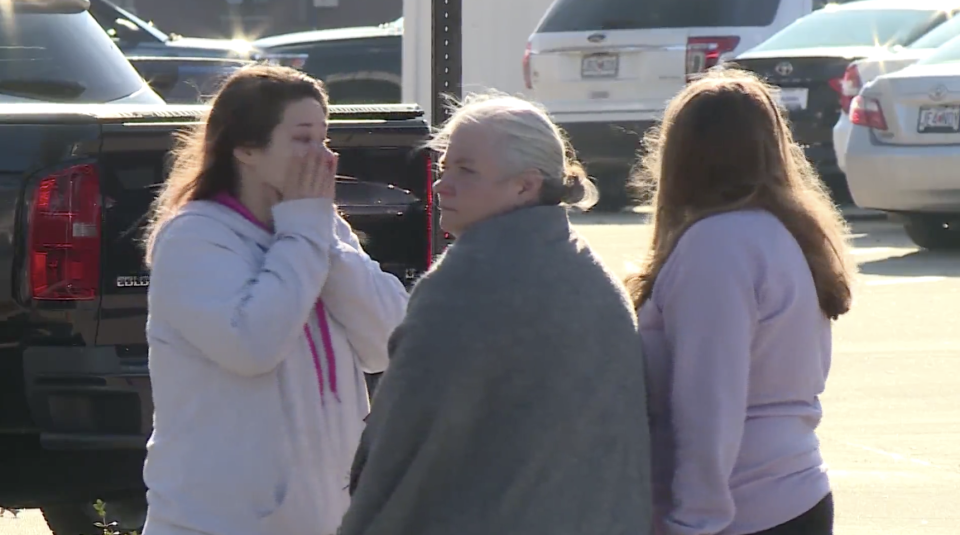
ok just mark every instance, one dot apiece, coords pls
pixel 327 340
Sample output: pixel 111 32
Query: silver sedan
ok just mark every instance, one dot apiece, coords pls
pixel 903 156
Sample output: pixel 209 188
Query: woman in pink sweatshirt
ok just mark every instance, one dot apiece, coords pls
pixel 264 312
pixel 747 270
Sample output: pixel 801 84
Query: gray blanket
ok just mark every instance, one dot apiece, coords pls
pixel 515 399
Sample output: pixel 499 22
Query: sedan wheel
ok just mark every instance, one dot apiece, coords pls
pixel 934 234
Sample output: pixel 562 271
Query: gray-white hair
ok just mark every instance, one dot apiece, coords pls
pixel 529 140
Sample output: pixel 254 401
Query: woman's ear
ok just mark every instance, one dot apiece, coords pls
pixel 245 155
pixel 530 182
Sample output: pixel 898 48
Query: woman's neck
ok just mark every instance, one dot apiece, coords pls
pixel 259 198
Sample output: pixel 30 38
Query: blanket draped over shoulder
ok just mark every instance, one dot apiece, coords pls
pixel 515 400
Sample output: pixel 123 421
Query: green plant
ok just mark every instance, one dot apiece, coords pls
pixel 109 528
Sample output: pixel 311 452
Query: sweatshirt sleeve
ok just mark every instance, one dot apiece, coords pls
pixel 368 302
pixel 243 318
pixel 709 305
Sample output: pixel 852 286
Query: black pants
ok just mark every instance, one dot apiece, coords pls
pixel 816 521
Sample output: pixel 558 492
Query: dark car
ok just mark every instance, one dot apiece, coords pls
pixel 55 52
pixel 137 37
pixel 359 65
pixel 807 61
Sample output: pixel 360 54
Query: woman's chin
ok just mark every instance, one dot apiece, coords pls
pixel 448 221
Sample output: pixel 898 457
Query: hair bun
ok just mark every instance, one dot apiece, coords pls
pixel 578 189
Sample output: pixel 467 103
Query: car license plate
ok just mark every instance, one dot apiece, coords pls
pixel 792 98
pixel 602 65
pixel 939 119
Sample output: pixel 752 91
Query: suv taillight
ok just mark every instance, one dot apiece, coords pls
pixel 527 74
pixel 850 86
pixel 867 112
pixel 63 236
pixel 706 52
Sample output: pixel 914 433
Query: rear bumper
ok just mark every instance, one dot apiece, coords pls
pixel 841 137
pixel 84 418
pixel 902 178
pixel 88 398
pixel 603 144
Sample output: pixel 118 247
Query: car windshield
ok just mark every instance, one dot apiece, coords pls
pixel 594 15
pixel 948 53
pixel 829 28
pixel 939 35
pixel 63 57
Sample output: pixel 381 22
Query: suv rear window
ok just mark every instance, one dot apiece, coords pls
pixel 852 27
pixel 62 57
pixel 594 15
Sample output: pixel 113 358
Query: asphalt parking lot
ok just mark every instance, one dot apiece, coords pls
pixel 892 427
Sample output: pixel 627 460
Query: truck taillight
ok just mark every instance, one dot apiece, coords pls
pixel 63 236
pixel 527 74
pixel 429 211
pixel 704 53
pixel 867 112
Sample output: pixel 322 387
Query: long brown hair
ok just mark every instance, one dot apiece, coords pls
pixel 725 145
pixel 243 113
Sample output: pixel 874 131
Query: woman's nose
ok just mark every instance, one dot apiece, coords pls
pixel 441 187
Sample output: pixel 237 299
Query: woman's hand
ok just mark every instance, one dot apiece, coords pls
pixel 313 173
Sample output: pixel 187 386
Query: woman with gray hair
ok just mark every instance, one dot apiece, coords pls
pixel 512 401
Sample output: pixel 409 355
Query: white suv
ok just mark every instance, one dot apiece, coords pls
pixel 606 68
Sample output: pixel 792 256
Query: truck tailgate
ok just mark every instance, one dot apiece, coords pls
pixel 385 194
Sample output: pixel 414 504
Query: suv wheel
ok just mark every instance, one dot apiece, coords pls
pixel 932 233
pixel 129 515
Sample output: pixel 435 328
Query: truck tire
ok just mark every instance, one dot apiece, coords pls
pixel 611 183
pixel 81 519
pixel 932 233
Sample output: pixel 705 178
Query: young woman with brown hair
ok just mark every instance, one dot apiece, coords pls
pixel 747 269
pixel 264 312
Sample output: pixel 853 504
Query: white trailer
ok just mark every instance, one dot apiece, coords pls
pixel 492 37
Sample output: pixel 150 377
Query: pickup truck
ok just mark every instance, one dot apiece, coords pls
pixel 76 181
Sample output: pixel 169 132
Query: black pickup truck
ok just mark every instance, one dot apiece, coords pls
pixel 76 182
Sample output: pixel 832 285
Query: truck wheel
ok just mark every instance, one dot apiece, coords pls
pixel 932 233
pixel 612 185
pixel 81 519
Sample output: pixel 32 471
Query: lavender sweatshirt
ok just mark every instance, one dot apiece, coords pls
pixel 737 353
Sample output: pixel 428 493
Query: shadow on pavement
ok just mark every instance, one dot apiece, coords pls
pixel 609 218
pixel 870 233
pixel 916 264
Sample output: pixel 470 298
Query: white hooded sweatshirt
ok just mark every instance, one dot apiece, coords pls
pixel 255 422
